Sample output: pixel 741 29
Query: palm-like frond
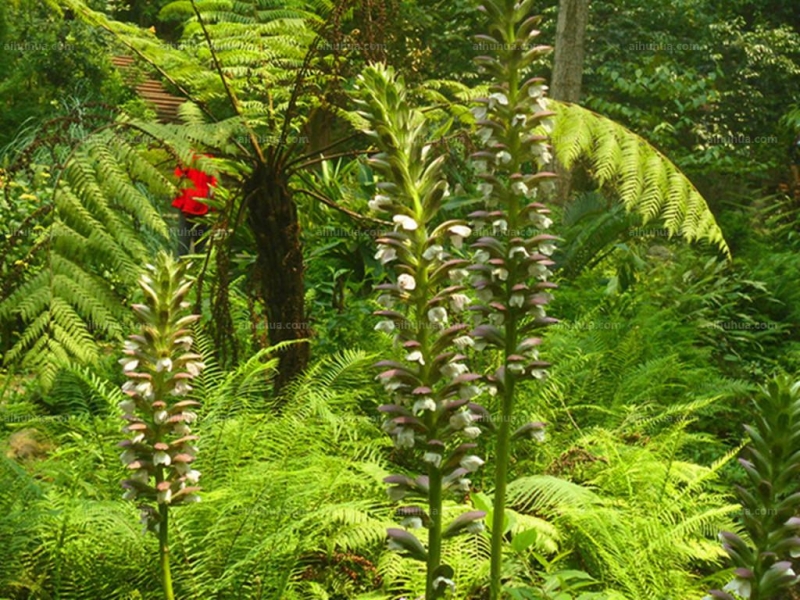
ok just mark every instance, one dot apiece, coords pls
pixel 643 179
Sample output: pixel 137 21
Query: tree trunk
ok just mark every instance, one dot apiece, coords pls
pixel 573 16
pixel 279 262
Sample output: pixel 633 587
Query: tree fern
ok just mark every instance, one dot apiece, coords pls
pixel 644 180
pixel 89 256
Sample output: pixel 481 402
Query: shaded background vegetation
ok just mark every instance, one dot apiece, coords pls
pixel 660 346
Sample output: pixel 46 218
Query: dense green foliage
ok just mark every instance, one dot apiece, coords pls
pixel 661 348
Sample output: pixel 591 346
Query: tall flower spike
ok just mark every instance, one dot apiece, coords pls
pixel 770 504
pixel 431 386
pixel 512 256
pixel 160 449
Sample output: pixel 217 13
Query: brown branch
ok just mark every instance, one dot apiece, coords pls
pixel 231 96
pixel 320 159
pixel 353 215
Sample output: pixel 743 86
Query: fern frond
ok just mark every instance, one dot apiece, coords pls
pixel 646 182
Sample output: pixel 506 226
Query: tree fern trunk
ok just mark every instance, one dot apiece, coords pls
pixel 273 219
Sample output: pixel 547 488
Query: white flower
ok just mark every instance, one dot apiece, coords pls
pixel 404 438
pixel 193 476
pixel 385 326
pixel 519 119
pixel 433 458
pixel 472 463
pixel 185 342
pixel 469 391
pixel 127 406
pixel 517 300
pixel 516 368
pixel 475 527
pixel 497 98
pixel 471 432
pixel 406 282
pixel 458 233
pixel 443 581
pixel 461 419
pixel 481 256
pixel 463 342
pixel 380 202
pixel 542 154
pixel 500 273
pixel 129 364
pixel 424 404
pixel 386 300
pixel 519 187
pixel 392 386
pixel 161 417
pixel 547 248
pixel 435 251
pixel 458 275
pixel 500 226
pixel 145 388
pixel 741 586
pixel 194 368
pixel 411 523
pixel 161 458
pixel 539 271
pixel 453 370
pixel 539 374
pixel 537 91
pixel 181 388
pixel 385 254
pixel 502 157
pixel 437 315
pixel 485 189
pixel 463 485
pixel 164 497
pixel 405 222
pixel 479 112
pixel 518 250
pixel 130 345
pixel 458 302
pixel 180 428
pixel 415 356
pixel 541 221
pixel 484 135
pixel 163 364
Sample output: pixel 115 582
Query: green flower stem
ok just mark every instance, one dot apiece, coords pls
pixel 434 473
pixel 163 546
pixel 501 477
pixel 502 457
pixel 435 531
